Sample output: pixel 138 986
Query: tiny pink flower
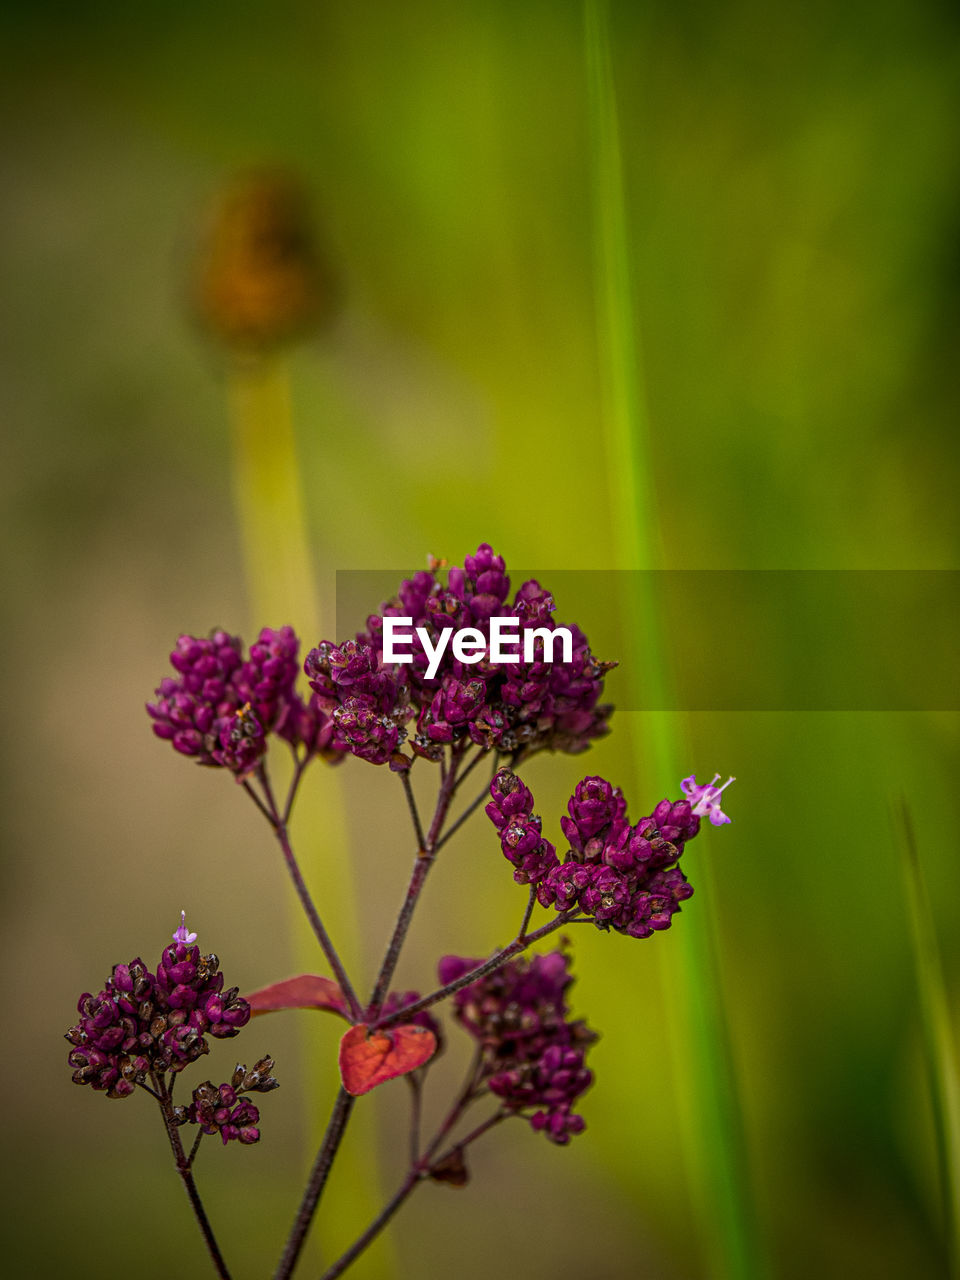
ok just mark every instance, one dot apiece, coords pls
pixel 181 935
pixel 706 799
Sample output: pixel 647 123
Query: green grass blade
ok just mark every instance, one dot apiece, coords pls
pixel 938 1043
pixel 714 1140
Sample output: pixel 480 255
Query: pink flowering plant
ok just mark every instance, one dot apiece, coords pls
pixel 456 710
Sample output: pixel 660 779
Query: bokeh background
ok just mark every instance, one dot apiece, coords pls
pixel 793 207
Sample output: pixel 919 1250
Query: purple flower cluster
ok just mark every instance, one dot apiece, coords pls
pixel 513 706
pixel 511 812
pixel 220 706
pixel 143 1022
pixel 623 875
pixel 219 1109
pixel 533 1053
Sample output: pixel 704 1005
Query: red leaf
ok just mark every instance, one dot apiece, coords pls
pixel 306 991
pixel 369 1058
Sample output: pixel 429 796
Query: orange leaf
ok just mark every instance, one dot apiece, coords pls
pixel 369 1058
pixel 306 991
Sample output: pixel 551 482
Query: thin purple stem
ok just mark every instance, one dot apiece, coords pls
pixel 299 766
pixel 412 806
pixel 418 1172
pixel 531 903
pixel 458 1106
pixel 473 764
pixel 329 950
pixel 257 801
pixel 183 1169
pixel 519 945
pixel 318 1178
pixel 472 1136
pixel 470 809
pixel 426 854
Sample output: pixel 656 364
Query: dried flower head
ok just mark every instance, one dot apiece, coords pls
pixel 625 876
pixel 222 707
pixel 516 706
pixel 533 1053
pixel 144 1022
pixel 259 281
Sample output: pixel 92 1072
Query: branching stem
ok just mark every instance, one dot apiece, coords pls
pixel 182 1162
pixel 279 824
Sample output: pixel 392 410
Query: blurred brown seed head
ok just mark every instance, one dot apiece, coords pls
pixel 260 282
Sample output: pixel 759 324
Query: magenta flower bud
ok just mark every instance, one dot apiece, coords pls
pixel 268 676
pixel 414 594
pixel 520 836
pixel 620 849
pixel 122 978
pixel 534 605
pixel 241 741
pixel 219 1111
pixel 532 1052
pixel 510 799
pixel 186 709
pixel 365 731
pixel 213 1008
pixel 594 805
pixel 311 724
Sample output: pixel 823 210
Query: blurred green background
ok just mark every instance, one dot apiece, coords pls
pixel 793 202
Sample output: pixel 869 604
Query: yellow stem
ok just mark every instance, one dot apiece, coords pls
pixel 281 588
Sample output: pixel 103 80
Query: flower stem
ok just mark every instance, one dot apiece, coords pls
pixel 531 903
pixel 194 1149
pixel 318 1178
pixel 470 809
pixel 426 855
pixel 182 1163
pixel 481 752
pixel 520 944
pixel 458 1106
pixel 258 802
pixel 472 1136
pixel 426 852
pixel 329 950
pixel 412 806
pixel 419 1170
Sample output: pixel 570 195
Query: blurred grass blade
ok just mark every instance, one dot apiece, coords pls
pixel 281 588
pixel 938 1042
pixel 714 1140
pixel 269 500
